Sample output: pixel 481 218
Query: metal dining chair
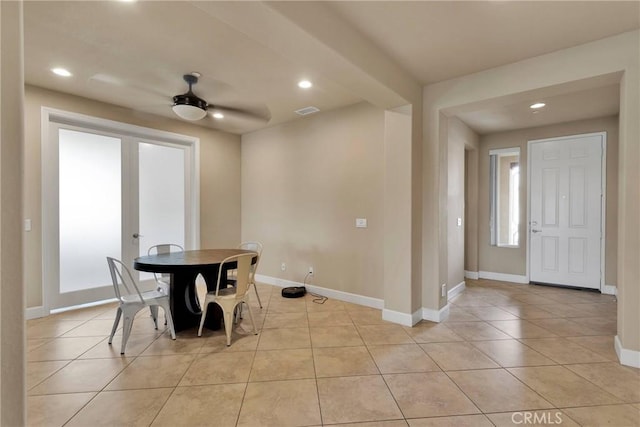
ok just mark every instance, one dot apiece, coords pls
pixel 257 248
pixel 228 298
pixel 163 280
pixel 132 301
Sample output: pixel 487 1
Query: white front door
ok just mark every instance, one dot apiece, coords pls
pixel 565 229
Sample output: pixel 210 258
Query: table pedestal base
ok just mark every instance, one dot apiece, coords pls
pixel 185 307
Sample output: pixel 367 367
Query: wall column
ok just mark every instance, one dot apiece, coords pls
pixel 471 211
pixel 399 304
pixel 12 338
pixel 628 338
pixel 434 203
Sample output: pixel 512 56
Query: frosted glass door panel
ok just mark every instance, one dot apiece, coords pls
pixel 90 208
pixel 161 176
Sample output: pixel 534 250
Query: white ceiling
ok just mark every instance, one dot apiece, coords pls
pixel 584 104
pixel 251 54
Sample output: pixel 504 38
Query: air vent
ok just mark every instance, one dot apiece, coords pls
pixel 307 110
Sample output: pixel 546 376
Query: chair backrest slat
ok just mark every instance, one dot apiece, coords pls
pixel 243 267
pixel 121 276
pixel 256 247
pixel 164 248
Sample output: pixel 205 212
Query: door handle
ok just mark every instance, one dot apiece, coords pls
pixel 536 231
pixel 136 235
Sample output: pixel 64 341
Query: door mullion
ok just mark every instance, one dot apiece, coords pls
pixel 130 223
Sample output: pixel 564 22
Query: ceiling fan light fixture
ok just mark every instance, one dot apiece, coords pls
pixel 188 106
pixel 189 112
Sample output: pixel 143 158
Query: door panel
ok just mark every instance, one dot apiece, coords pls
pixel 550 196
pixel 90 206
pixel 566 210
pixel 161 197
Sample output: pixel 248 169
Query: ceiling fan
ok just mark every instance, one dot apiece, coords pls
pixel 189 106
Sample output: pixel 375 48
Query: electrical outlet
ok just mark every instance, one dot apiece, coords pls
pixel 444 290
pixel 283 266
pixel 311 270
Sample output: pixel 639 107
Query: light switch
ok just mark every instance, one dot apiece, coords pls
pixel 27 224
pixel 459 222
pixel 361 222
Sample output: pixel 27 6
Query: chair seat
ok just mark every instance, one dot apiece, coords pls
pixel 147 296
pixel 224 293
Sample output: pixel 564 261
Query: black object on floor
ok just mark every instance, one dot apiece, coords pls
pixel 294 292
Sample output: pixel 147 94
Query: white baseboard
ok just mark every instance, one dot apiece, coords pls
pixel 609 290
pixel 625 356
pixel 471 275
pixel 401 318
pixel 390 315
pixel 34 312
pixel 456 290
pixel 86 305
pixel 329 293
pixel 515 278
pixel 435 315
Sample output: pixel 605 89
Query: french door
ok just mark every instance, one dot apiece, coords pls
pixel 566 210
pixel 110 192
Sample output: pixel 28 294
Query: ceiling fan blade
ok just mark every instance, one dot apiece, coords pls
pixel 257 113
pixel 131 86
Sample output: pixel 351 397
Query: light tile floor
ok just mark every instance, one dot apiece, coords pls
pixel 506 352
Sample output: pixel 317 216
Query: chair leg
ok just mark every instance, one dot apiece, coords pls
pixel 238 312
pixel 255 288
pixel 126 330
pixel 204 315
pixel 228 325
pixel 253 323
pixel 154 314
pixel 115 325
pixel 169 321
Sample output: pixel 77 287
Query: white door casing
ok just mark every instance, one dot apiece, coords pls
pixel 566 210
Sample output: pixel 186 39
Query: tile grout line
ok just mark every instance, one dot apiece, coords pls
pixel 313 362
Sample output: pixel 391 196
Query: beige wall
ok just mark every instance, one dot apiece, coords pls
pixel 513 260
pixel 461 138
pixel 219 174
pixel 12 325
pixel 303 185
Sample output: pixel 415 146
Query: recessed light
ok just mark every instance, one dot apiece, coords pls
pixel 218 116
pixel 537 105
pixel 304 84
pixel 63 72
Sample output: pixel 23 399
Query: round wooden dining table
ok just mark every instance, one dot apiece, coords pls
pixel 184 268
